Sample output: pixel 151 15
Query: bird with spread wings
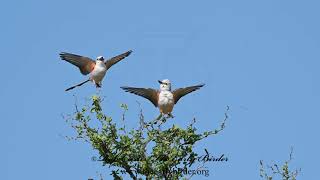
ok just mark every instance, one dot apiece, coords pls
pixel 97 69
pixel 164 99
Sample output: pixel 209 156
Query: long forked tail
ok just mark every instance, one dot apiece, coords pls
pixel 77 85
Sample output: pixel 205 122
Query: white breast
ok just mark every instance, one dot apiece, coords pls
pixel 166 101
pixel 98 72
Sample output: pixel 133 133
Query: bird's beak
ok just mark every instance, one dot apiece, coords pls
pixel 160 82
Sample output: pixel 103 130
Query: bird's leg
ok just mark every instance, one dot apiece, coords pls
pixel 98 85
pixel 157 119
pixel 162 121
pixel 160 116
pixel 170 115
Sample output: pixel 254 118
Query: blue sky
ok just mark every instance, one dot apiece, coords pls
pixel 259 57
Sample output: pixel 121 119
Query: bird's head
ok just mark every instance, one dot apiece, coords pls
pixel 100 58
pixel 165 85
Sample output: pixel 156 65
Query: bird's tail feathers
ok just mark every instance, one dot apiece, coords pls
pixel 80 84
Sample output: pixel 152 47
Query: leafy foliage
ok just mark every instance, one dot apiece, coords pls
pixel 284 172
pixel 171 148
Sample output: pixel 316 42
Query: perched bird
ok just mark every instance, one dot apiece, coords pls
pixel 164 98
pixel 97 69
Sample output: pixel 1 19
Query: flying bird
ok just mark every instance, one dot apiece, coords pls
pixel 97 69
pixel 164 99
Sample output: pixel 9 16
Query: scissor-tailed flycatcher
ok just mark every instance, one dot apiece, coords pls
pixel 164 98
pixel 97 69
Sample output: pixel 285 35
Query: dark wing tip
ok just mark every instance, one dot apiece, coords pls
pixel 63 55
pixel 128 53
pixel 196 87
pixel 126 88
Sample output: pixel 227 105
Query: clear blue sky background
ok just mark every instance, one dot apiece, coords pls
pixel 259 57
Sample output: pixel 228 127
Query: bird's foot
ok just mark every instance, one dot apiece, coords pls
pixel 170 115
pixel 158 119
pixel 160 116
pixel 98 87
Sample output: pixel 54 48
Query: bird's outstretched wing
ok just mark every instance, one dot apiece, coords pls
pixel 150 94
pixel 178 93
pixel 85 64
pixel 110 62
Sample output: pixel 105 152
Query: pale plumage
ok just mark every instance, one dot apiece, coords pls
pixel 164 99
pixel 97 69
